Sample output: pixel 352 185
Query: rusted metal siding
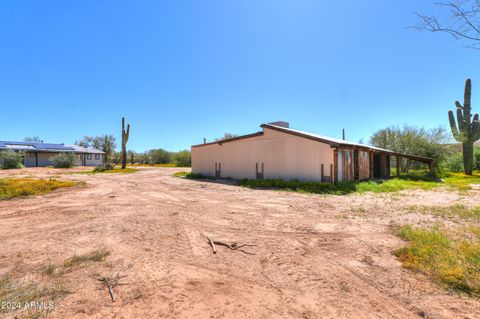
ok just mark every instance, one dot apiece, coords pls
pixel 363 165
pixel 345 165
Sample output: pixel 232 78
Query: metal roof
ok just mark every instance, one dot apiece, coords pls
pixel 46 147
pixel 336 142
pixel 328 139
pixel 333 142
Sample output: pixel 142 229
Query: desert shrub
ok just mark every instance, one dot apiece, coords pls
pixel 454 163
pixel 158 156
pixel 182 159
pixel 476 158
pixel 10 159
pixel 63 160
pixel 104 167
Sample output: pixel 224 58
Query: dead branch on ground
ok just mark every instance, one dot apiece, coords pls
pixel 111 283
pixel 211 242
pixel 232 246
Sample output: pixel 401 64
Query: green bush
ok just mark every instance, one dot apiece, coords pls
pixel 476 158
pixel 104 167
pixel 182 159
pixel 63 160
pixel 10 159
pixel 454 163
pixel 158 156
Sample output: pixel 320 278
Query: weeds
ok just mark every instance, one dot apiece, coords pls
pixel 14 187
pixel 341 188
pixel 191 175
pixel 460 181
pixel 451 258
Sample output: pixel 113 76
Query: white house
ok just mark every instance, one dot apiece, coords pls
pixel 39 154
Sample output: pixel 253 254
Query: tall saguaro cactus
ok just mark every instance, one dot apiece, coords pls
pixel 125 135
pixel 468 130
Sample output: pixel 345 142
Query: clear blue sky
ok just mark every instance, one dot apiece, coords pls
pixel 183 70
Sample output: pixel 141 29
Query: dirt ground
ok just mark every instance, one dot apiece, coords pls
pixel 315 256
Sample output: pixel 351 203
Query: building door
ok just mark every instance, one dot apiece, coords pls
pixel 259 169
pixel 377 166
pixel 218 170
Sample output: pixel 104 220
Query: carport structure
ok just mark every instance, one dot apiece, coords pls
pixel 378 159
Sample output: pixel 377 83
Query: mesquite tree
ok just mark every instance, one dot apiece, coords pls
pixel 125 136
pixel 468 130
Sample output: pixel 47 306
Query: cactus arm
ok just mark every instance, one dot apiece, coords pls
pixel 453 126
pixel 467 99
pixel 125 135
pixel 475 127
pixel 475 131
pixel 460 120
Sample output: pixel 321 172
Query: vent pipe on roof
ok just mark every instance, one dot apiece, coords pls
pixel 281 124
pixel 343 134
pixel 204 140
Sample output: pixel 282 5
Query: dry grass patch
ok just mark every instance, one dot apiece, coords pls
pixel 14 187
pixel 94 256
pixel 450 257
pixel 16 295
pixel 459 211
pixel 127 170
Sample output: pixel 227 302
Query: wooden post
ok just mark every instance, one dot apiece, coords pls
pixel 335 166
pixel 356 165
pixel 397 159
pixel 371 164
pixel 331 173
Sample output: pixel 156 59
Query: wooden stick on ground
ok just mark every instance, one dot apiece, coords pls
pixel 212 243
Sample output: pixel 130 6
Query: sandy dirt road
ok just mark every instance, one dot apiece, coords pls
pixel 316 256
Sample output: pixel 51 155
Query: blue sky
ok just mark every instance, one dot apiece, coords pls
pixel 183 70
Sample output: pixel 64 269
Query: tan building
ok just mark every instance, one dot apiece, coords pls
pixel 279 152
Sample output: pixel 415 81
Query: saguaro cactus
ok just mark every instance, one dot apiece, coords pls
pixel 125 135
pixel 468 130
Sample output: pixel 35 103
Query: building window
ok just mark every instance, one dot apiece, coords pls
pixel 89 156
pixel 97 157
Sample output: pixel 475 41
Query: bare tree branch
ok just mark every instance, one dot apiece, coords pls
pixel 462 21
